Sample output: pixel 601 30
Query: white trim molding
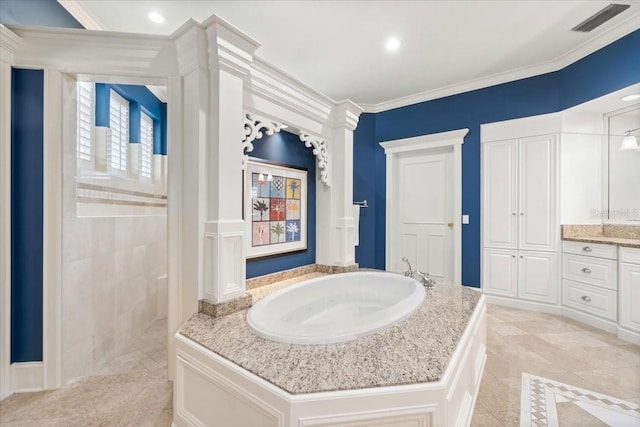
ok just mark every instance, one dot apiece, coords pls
pixel 453 139
pixel 9 42
pixel 81 14
pixel 253 127
pixel 321 152
pixel 27 377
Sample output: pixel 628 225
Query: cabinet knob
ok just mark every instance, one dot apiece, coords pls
pixel 587 249
pixel 521 213
pixel 513 256
pixel 586 270
pixel 521 257
pixel 585 298
pixel 513 213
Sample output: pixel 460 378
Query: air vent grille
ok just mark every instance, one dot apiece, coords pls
pixel 600 18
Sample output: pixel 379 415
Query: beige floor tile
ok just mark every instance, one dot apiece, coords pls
pixel 572 339
pixel 485 419
pixel 623 383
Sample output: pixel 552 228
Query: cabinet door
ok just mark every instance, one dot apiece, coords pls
pixel 538 276
pixel 537 195
pixel 499 273
pixel 499 202
pixel 629 293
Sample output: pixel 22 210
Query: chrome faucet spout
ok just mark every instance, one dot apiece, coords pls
pixel 405 259
pixel 423 278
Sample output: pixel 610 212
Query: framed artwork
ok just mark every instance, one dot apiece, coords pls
pixel 275 208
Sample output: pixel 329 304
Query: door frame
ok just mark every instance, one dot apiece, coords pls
pixel 453 139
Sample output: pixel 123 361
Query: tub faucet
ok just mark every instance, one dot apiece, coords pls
pixel 423 278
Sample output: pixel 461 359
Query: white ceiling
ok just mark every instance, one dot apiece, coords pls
pixel 337 47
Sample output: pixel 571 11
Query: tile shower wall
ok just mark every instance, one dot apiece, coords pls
pixel 110 270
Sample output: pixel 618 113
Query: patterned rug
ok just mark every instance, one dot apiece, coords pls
pixel 545 402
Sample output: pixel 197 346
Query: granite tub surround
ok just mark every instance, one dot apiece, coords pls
pixel 613 234
pixel 224 308
pixel 416 350
pixel 279 276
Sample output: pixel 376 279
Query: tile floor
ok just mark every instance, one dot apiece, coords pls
pixel 559 349
pixel 133 389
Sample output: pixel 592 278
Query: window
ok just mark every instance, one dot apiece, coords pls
pixel 119 124
pixel 146 147
pixel 84 147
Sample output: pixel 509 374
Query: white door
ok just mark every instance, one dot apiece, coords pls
pixel 500 272
pixel 500 202
pixel 630 296
pixel 537 211
pixel 537 278
pixel 423 212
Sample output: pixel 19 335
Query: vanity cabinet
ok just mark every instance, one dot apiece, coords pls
pixel 629 289
pixel 520 227
pixel 590 278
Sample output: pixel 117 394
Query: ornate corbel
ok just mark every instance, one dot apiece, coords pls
pixel 321 152
pixel 253 128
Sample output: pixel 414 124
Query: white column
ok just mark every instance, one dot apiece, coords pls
pixel 230 55
pixel 187 162
pixel 8 44
pixel 335 203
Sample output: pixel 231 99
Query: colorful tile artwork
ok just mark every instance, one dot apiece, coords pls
pixel 275 210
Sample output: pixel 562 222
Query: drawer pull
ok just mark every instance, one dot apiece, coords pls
pixel 586 298
pixel 586 270
pixel 587 249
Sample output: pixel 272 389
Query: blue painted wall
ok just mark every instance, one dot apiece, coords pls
pixel 140 99
pixel 286 148
pixel 609 69
pixel 26 214
pixel 46 13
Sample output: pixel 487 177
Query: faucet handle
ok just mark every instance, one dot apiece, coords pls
pixel 405 259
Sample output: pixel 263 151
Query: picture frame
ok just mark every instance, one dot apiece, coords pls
pixel 275 208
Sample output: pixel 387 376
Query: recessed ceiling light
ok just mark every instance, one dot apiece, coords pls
pixel 631 97
pixel 156 17
pixel 392 44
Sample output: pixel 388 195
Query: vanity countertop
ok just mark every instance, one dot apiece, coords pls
pixel 629 243
pixel 608 234
pixel 416 350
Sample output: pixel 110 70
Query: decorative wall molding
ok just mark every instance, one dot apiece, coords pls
pixel 321 151
pixel 82 14
pixel 191 48
pixel 229 48
pixel 9 43
pixel 346 114
pixel 253 128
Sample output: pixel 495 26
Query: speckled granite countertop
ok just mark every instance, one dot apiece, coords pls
pixel 416 350
pixel 630 243
pixel 609 234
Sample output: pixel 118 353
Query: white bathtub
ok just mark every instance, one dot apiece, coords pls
pixel 335 308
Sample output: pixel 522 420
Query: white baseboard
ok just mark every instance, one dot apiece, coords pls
pixel 590 320
pixel 27 376
pixel 524 305
pixel 627 335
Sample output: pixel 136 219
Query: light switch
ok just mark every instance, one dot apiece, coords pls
pixel 465 219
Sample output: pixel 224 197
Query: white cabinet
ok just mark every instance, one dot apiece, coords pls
pixel 500 273
pixel 629 289
pixel 537 276
pixel 519 218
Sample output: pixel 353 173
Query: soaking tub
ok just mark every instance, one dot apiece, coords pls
pixel 335 308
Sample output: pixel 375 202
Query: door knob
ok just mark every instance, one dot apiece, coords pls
pixel 450 224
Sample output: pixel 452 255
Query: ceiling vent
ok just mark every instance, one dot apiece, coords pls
pixel 600 18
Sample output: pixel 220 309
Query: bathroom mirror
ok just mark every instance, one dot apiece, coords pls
pixel 623 183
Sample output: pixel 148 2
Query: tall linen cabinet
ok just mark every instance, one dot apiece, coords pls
pixel 520 227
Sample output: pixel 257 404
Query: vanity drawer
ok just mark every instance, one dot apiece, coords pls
pixel 630 255
pixel 595 271
pixel 590 249
pixel 590 299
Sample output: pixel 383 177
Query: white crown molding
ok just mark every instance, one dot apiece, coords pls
pixel 229 48
pixel 626 27
pixel 272 84
pixel 191 47
pixel 82 14
pixel 346 114
pixel 95 52
pixel 9 42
